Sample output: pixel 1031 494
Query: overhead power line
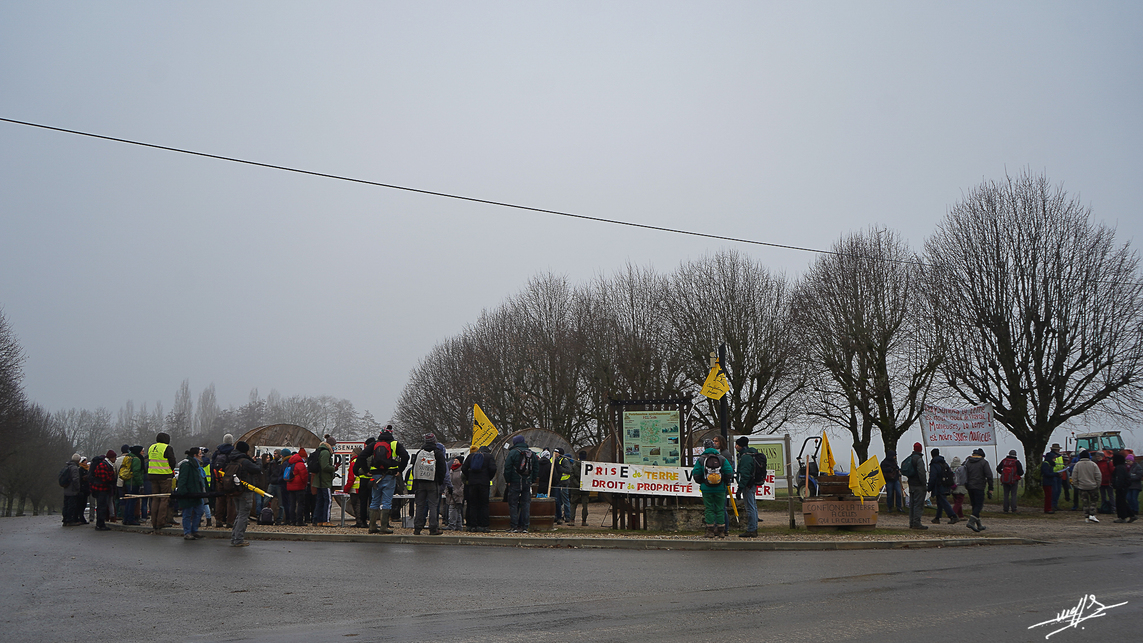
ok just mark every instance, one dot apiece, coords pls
pixel 405 188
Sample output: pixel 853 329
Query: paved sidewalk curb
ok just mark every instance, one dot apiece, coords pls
pixel 629 543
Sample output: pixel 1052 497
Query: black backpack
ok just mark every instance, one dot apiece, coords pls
pixel 313 462
pixel 266 517
pixel 65 477
pixel 524 464
pixel 948 478
pixel 759 475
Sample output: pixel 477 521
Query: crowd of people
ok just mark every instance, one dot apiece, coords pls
pixel 1107 486
pixel 453 493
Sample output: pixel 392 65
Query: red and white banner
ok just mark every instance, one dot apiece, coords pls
pixel 957 427
pixel 653 481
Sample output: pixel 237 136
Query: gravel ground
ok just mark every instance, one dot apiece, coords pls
pixel 1064 525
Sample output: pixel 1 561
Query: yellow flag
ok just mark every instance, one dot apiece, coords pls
pixel 827 463
pixel 483 432
pixel 866 480
pixel 715 385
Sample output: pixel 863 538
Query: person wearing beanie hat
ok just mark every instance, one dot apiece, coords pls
pixel 479 471
pixel 978 474
pixel 714 471
pixel 1010 471
pixel 160 466
pixel 521 470
pixel 222 510
pixel 1086 479
pixel 913 470
pixel 894 496
pixel 747 464
pixel 247 471
pixel 102 483
pixel 429 467
pixel 72 509
pixel 1050 480
pixel 387 458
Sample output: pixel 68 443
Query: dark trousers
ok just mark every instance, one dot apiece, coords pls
pixel 1121 508
pixel 942 503
pixel 478 505
pixel 161 507
pixel 131 505
pixel 1010 497
pixel 916 504
pixel 427 498
pixel 71 509
pixel 519 505
pixel 1106 498
pixel 296 507
pixel 364 494
pixel 580 497
pixel 102 507
pixel 976 496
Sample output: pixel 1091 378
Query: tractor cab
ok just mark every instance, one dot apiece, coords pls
pixel 1106 441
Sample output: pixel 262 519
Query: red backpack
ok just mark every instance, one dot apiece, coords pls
pixel 1008 473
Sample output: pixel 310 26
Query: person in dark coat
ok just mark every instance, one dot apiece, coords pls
pixel 72 511
pixel 520 486
pixel 191 488
pixel 937 468
pixel 248 472
pixel 978 475
pixel 913 470
pixel 102 482
pixel 478 470
pixel 894 498
pixel 1121 482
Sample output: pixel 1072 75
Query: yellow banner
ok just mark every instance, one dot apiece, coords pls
pixel 483 433
pixel 866 480
pixel 827 463
pixel 715 385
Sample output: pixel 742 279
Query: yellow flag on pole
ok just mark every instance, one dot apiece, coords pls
pixel 827 463
pixel 715 385
pixel 483 432
pixel 866 480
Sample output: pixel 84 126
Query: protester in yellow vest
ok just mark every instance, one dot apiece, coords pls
pixel 161 473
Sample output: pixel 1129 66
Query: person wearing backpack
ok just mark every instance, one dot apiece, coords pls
pixel 428 476
pixel 713 472
pixel 749 477
pixel 192 487
pixel 478 470
pixel 958 491
pixel 1010 471
pixel 913 470
pixel 72 511
pixel 133 486
pixel 223 510
pixel 941 480
pixel 387 458
pixel 521 469
pixel 321 480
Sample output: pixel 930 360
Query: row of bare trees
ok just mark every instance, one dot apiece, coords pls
pixel 1019 299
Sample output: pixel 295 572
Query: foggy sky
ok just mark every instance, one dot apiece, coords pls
pixel 125 270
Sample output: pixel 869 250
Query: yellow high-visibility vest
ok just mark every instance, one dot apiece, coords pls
pixel 157 463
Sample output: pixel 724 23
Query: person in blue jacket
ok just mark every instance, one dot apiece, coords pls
pixel 713 493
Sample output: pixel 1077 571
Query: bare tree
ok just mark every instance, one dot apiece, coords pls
pixel 1041 311
pixel 729 298
pixel 207 411
pixel 11 388
pixel 866 338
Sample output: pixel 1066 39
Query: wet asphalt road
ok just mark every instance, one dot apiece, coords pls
pixel 78 584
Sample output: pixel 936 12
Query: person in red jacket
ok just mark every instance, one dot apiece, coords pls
pixel 102 485
pixel 296 487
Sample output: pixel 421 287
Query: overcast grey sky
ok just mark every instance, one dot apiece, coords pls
pixel 125 270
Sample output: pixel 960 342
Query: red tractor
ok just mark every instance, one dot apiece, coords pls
pixel 1106 441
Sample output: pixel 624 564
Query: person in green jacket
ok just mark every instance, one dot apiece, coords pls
pixel 322 483
pixel 521 470
pixel 746 488
pixel 713 495
pixel 191 486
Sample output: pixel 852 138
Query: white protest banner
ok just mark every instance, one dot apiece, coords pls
pixel 653 481
pixel 957 427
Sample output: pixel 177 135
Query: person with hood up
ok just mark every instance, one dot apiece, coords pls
pixel 248 472
pixel 937 469
pixel 478 470
pixel 521 470
pixel 1010 471
pixel 713 471
pixel 1086 479
pixel 387 458
pixel 161 473
pixel 192 487
pixel 894 500
pixel 544 474
pixel 299 478
pixel 1121 481
pixel 223 511
pixel 133 486
pixel 102 489
pixel 428 475
pixel 979 475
